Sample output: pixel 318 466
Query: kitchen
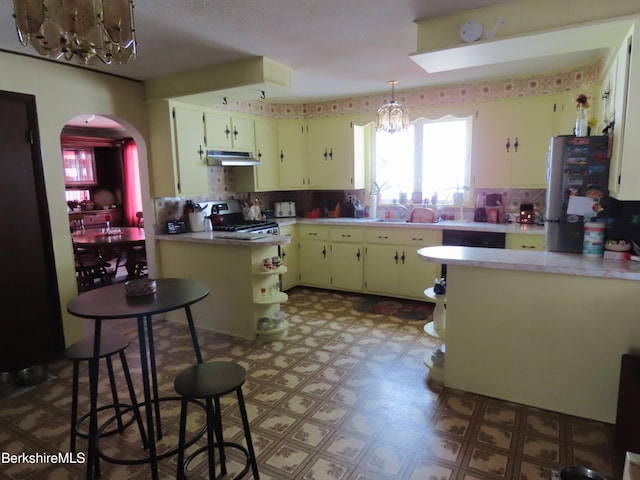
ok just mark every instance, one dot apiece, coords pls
pixel 129 106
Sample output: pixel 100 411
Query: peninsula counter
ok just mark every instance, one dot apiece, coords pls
pixel 539 328
pixel 242 292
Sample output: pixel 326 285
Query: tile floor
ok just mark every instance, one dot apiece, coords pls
pixel 344 397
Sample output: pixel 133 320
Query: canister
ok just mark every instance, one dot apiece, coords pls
pixel 593 243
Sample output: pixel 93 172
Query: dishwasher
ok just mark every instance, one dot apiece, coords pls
pixel 471 238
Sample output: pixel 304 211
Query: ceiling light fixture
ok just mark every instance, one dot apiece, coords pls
pixel 86 31
pixel 392 117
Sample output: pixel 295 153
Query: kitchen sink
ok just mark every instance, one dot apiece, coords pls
pixel 391 220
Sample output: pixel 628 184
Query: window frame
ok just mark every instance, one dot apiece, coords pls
pixel 90 164
pixel 418 126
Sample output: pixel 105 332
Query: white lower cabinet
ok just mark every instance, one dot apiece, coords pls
pixel 347 258
pixel 392 265
pixel 289 255
pixel 315 265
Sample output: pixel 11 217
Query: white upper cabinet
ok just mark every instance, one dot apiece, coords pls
pixel 177 149
pixel 331 157
pixel 226 132
pixel 510 143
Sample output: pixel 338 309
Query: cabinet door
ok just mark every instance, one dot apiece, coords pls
pixel 620 98
pixel 532 121
pixel 289 254
pixel 347 272
pixel 218 130
pixel 330 158
pixel 189 143
pixel 490 160
pixel 382 273
pixel 266 175
pixel 243 134
pixel 292 155
pixel 510 143
pixel 518 241
pixel 314 263
pixel 416 275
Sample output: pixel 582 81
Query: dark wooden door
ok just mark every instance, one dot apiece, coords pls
pixel 30 319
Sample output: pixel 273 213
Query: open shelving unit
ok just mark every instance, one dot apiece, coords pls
pixel 436 329
pixel 267 298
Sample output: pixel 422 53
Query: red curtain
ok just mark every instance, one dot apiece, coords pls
pixel 132 192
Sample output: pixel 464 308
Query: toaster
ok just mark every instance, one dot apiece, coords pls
pixel 284 209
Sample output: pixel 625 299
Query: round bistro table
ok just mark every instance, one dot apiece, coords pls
pixel 110 303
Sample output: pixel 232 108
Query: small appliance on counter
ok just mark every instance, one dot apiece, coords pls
pixel 284 209
pixel 494 208
pixel 480 213
pixel 527 214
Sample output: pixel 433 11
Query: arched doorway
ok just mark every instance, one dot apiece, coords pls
pixel 104 163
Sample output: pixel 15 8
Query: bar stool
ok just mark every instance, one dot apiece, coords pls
pixel 83 351
pixel 209 381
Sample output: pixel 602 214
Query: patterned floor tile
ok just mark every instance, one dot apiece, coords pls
pixel 344 397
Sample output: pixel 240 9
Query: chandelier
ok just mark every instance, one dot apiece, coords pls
pixel 86 31
pixel 392 117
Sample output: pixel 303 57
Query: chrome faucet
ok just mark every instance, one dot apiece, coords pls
pixel 404 208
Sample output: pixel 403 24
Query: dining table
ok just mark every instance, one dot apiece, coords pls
pixel 112 303
pixel 117 239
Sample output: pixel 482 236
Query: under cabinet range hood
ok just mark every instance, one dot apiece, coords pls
pixel 226 158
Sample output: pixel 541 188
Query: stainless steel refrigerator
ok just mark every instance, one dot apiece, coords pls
pixel 577 189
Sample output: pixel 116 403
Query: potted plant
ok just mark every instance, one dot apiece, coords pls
pixel 378 188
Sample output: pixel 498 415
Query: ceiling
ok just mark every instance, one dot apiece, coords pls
pixel 335 48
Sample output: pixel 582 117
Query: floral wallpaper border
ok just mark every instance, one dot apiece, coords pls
pixel 476 91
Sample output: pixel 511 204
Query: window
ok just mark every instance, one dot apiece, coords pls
pixel 431 156
pixel 79 166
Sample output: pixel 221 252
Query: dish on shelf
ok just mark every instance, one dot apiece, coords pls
pixel 103 198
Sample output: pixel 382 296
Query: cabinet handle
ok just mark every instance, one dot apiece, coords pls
pixel 200 151
pixel 283 253
pixel 527 246
pixel 345 235
pixel 402 257
pixel 417 239
pixel 383 237
pixel 235 133
pixel 325 154
pixel 395 257
pixel 324 252
pixel 281 155
pixel 259 155
pixel 227 131
pixel 358 254
pixel 508 144
pixel 312 234
pixel 331 154
pixel 516 144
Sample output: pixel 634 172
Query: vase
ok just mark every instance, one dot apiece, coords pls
pixel 582 124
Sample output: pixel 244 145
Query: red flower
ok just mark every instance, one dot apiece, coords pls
pixel 582 100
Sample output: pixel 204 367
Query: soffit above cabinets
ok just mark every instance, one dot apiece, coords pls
pixel 253 79
pixel 567 43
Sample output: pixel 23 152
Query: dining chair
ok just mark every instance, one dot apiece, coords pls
pixel 90 267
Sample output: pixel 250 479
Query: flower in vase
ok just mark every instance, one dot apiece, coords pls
pixel 582 101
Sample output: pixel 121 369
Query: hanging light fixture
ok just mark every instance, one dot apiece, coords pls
pixel 86 31
pixel 392 117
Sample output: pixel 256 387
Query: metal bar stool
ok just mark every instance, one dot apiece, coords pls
pixel 83 351
pixel 209 381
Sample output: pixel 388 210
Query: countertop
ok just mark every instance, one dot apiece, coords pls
pixel 533 261
pixel 443 225
pixel 211 237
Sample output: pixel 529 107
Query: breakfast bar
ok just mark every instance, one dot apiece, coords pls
pixel 519 330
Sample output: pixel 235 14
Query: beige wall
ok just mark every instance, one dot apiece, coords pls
pixel 63 92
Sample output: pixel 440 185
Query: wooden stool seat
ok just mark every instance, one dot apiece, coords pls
pixel 209 381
